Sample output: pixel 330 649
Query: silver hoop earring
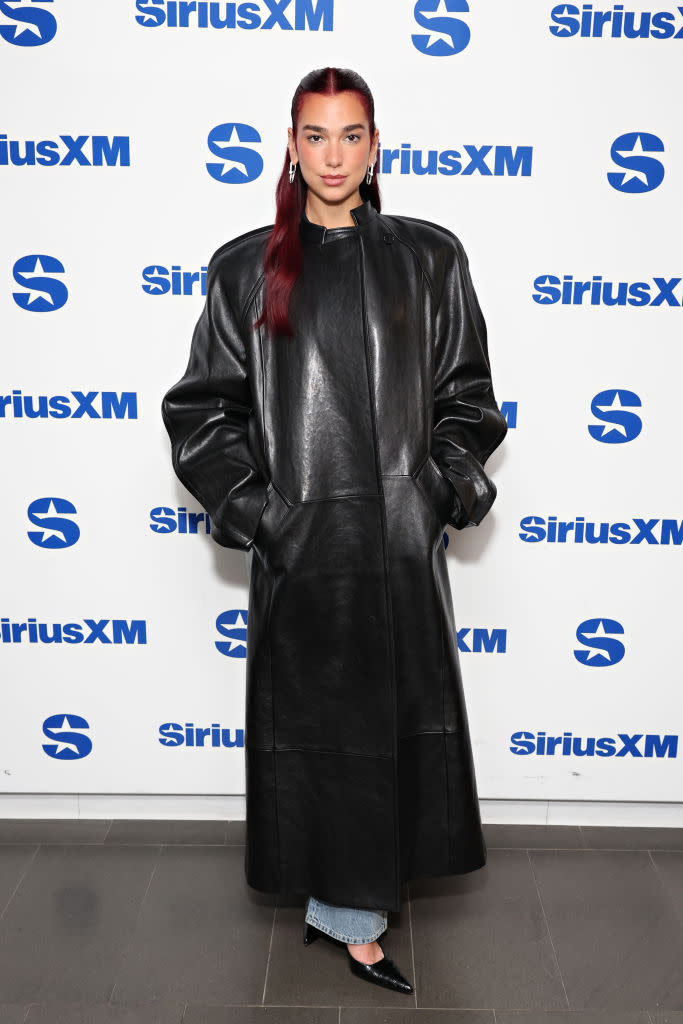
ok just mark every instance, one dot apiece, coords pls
pixel 292 172
pixel 368 176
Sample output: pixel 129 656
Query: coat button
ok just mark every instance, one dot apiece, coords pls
pixel 388 238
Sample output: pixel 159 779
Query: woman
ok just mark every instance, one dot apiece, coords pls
pixel 335 414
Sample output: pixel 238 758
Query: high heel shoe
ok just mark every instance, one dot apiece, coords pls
pixel 384 972
pixel 310 933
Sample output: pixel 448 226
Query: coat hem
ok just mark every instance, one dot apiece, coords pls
pixel 287 895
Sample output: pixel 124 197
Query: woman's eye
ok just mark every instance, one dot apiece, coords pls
pixel 352 135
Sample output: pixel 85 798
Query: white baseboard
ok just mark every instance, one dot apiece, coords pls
pixel 228 808
pixel 583 812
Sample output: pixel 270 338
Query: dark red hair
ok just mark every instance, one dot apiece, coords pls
pixel 283 256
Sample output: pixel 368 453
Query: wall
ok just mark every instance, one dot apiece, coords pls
pixel 555 155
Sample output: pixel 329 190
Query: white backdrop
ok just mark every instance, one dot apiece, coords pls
pixel 568 153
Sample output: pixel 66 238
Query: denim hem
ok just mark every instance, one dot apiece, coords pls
pixel 353 940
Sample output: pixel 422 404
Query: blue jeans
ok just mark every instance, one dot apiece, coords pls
pixel 348 924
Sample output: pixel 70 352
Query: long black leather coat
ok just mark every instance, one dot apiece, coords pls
pixel 339 456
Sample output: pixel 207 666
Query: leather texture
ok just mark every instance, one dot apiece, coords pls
pixel 339 456
pixel 384 972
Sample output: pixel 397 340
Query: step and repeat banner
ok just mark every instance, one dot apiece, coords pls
pixel 138 137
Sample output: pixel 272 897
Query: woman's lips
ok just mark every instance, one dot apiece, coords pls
pixel 331 179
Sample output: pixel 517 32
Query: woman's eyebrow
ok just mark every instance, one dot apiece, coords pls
pixel 323 131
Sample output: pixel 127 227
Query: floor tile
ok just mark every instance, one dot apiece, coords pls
pixel 572 1017
pixel 14 863
pixel 545 837
pixel 481 939
pixel 105 1013
pixel 205 833
pixel 202 936
pixel 618 940
pixel 373 1015
pixel 669 867
pixel 598 837
pixel 11 1013
pixel 53 830
pixel 261 1015
pixel 65 928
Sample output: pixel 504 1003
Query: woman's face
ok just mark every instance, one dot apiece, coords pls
pixel 333 145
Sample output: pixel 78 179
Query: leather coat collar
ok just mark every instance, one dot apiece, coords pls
pixel 316 233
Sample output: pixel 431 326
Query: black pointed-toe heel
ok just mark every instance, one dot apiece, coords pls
pixel 310 933
pixel 384 972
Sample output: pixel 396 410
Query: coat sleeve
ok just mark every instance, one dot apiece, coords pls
pixel 468 425
pixel 206 415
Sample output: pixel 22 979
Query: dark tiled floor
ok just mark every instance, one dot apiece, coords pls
pixel 151 922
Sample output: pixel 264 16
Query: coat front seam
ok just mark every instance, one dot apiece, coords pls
pixel 273 752
pixel 387 590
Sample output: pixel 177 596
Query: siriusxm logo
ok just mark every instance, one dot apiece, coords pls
pixel 444 35
pixel 641 173
pixel 102 151
pixel 165 520
pixel 550 290
pixel 160 280
pixel 505 161
pixel 171 734
pixel 44 294
pixel 54 529
pixel 239 163
pixel 233 626
pixel 26 24
pixel 509 411
pixel 314 15
pixel 601 648
pixel 535 529
pixel 110 405
pixel 483 640
pixel 69 744
pixel 568 745
pixel 121 631
pixel 619 425
pixel 616 23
